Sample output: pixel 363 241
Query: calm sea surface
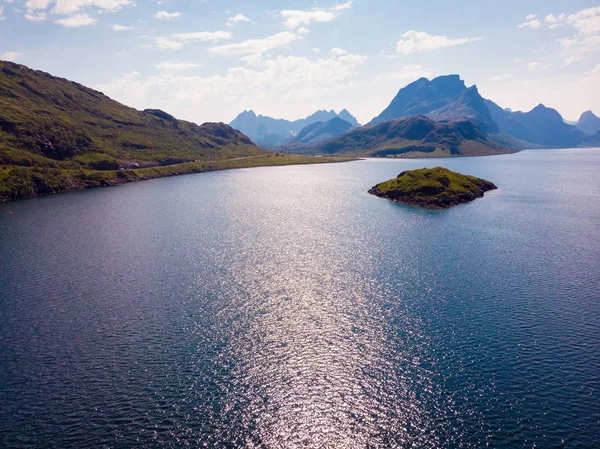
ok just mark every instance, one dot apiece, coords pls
pixel 286 307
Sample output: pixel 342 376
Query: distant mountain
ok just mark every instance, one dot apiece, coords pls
pixel 321 131
pixel 265 131
pixel 416 136
pixel 346 116
pixel 269 132
pixel 443 98
pixel 589 123
pixel 541 126
pixel 592 140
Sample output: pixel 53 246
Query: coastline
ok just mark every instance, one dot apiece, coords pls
pixel 19 183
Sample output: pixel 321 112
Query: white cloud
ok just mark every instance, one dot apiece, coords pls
pixel 38 4
pixel 1 14
pixel 406 74
pixel 502 77
pixel 10 56
pixel 551 18
pixel 121 27
pixel 253 60
pixel 164 43
pixel 415 41
pixel 32 16
pixel 257 45
pixel 69 7
pixel 594 73
pixel 166 66
pixel 580 43
pixel 203 36
pixel 176 41
pixel 78 20
pixel 164 15
pixel 571 60
pixel 533 23
pixel 531 16
pixel 238 18
pixel 286 81
pixel 295 18
pixel 585 22
pixel 532 66
pixel 337 52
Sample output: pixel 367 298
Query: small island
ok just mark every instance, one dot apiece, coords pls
pixel 432 188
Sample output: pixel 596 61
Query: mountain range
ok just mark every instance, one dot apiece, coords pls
pixel 443 98
pixel 447 100
pixel 269 132
pixel 58 135
pixel 416 136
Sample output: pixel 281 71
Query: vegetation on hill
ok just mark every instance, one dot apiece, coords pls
pixel 412 137
pixel 432 188
pixel 72 126
pixel 57 135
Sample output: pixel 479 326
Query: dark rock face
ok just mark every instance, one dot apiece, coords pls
pixel 41 186
pixel 161 114
pixel 225 132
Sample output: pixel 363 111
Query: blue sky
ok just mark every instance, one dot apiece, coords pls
pixel 208 60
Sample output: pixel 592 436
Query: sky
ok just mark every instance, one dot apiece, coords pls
pixel 208 60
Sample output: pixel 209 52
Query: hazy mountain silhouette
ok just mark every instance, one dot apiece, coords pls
pixel 541 126
pixel 269 132
pixel 589 123
pixel 321 131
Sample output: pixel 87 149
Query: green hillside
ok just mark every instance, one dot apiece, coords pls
pixel 57 135
pixel 49 120
pixel 416 136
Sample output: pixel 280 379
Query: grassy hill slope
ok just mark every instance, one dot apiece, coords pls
pixel 45 117
pixel 57 135
pixel 417 136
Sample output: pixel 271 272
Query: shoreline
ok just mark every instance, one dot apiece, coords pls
pixel 34 182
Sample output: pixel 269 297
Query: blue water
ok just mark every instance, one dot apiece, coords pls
pixel 286 307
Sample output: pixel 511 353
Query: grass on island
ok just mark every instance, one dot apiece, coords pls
pixel 432 187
